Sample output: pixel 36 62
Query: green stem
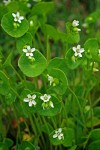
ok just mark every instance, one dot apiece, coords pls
pixel 17 73
pixel 48 49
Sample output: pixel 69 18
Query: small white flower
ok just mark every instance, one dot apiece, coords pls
pixel 6 2
pixel 45 98
pixel 75 23
pixel 29 51
pixel 30 99
pixel 17 17
pixel 99 51
pixel 58 134
pixel 50 79
pixel 78 51
pixel 31 23
pixel 46 101
pixel 29 5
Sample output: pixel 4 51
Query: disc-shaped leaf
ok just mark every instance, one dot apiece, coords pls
pixel 71 60
pixel 92 48
pixel 4 84
pixel 95 134
pixel 49 111
pixel 3 146
pixel 67 140
pixel 60 81
pixel 59 63
pixel 94 145
pixel 26 39
pixel 7 24
pixel 32 68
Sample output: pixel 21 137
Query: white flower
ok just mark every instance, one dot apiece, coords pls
pixel 28 5
pixel 78 51
pixel 45 98
pixel 17 17
pixel 58 134
pixel 6 2
pixel 30 99
pixel 29 51
pixel 50 79
pixel 46 101
pixel 75 23
pixel 31 23
pixel 99 51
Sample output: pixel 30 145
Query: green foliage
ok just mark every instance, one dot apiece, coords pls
pixel 49 87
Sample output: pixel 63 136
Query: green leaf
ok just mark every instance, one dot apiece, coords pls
pixel 25 145
pixel 94 145
pixel 59 63
pixel 42 8
pixel 95 122
pixel 91 47
pixel 35 68
pixel 34 25
pixel 10 97
pixel 49 111
pixel 3 146
pixel 26 39
pixel 72 36
pixel 68 137
pixel 4 83
pixel 93 17
pixel 61 79
pixel 97 111
pixel 95 134
pixel 71 60
pixel 8 142
pixel 8 60
pixel 7 24
pixel 51 32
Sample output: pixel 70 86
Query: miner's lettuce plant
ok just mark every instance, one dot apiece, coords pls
pixel 48 101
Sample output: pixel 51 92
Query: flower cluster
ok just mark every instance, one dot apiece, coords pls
pixel 58 134
pixel 78 51
pixel 17 17
pixel 29 51
pixel 30 99
pixel 46 101
pixel 75 23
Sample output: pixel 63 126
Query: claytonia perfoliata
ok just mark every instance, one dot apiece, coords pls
pixel 75 23
pixel 17 17
pixel 46 101
pixel 30 99
pixel 99 51
pixel 31 23
pixel 29 51
pixel 58 134
pixel 50 79
pixel 6 2
pixel 78 51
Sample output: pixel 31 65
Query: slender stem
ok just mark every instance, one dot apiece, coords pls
pixel 48 49
pixel 16 73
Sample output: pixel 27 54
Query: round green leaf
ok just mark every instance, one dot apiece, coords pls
pixel 67 140
pixel 4 84
pixel 35 68
pixel 7 24
pixel 95 134
pixel 3 146
pixel 94 145
pixel 92 48
pixel 71 60
pixel 60 80
pixel 59 63
pixel 49 111
pixel 26 39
